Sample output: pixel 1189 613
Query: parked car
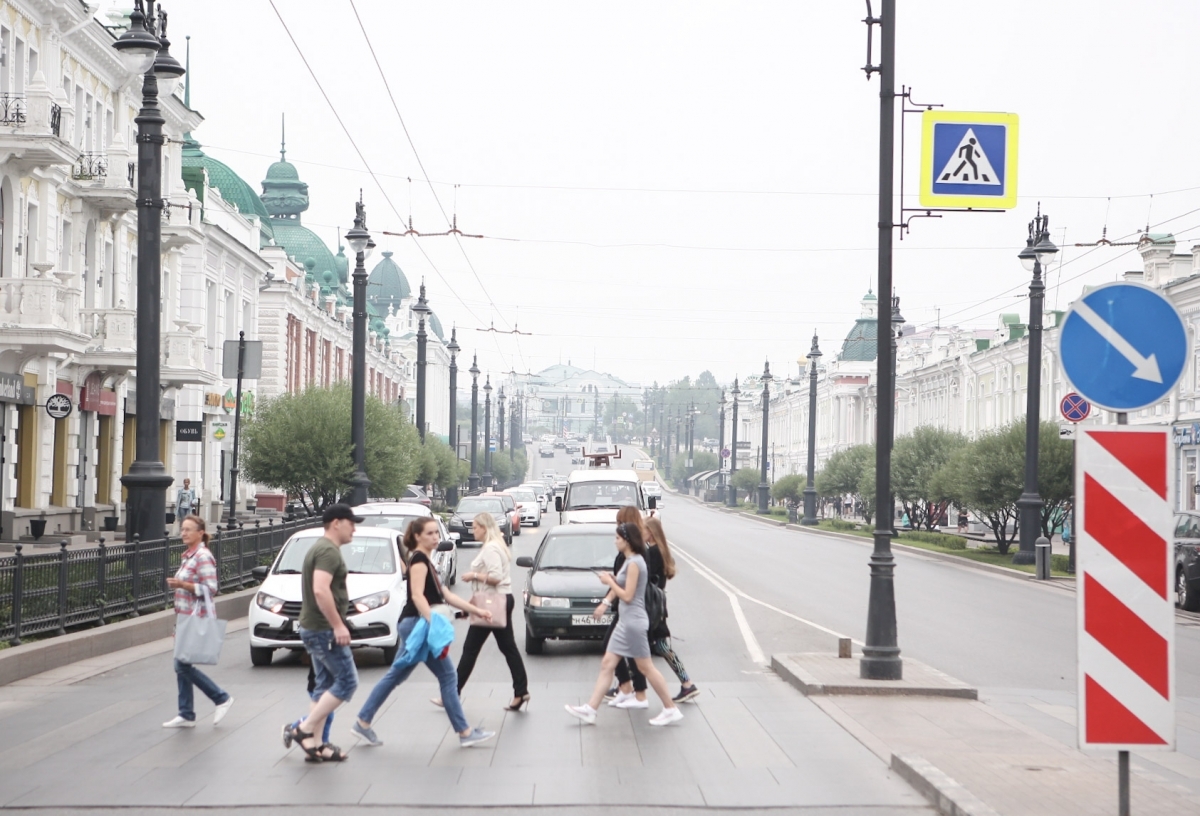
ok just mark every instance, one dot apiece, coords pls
pixel 528 505
pixel 416 495
pixel 563 588
pixel 375 583
pixel 398 515
pixel 510 504
pixel 1187 561
pixel 471 506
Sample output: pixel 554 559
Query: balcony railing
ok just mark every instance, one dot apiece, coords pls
pixel 131 174
pixel 39 302
pixel 12 109
pixel 90 166
pixel 56 119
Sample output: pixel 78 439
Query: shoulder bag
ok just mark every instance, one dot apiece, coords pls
pixel 198 638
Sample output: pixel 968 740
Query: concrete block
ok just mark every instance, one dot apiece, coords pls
pixel 817 674
pixel 949 797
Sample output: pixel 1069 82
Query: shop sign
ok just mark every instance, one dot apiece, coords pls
pixel 1186 434
pixel 58 406
pixel 94 398
pixel 229 402
pixel 247 403
pixel 13 389
pixel 220 430
pixel 189 431
pixel 212 399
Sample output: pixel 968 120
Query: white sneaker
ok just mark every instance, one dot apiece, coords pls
pixel 667 716
pixel 621 696
pixel 222 710
pixel 179 722
pixel 584 712
pixel 631 701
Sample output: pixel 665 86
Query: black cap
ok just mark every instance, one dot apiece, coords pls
pixel 339 511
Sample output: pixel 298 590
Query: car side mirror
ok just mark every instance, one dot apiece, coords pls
pixel 260 573
pixel 653 502
pixel 525 561
pixel 558 504
pixel 445 546
pixel 456 537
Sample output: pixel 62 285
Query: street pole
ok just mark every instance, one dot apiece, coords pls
pixel 691 432
pixel 454 349
pixel 231 521
pixel 898 330
pixel 422 309
pixel 764 489
pixel 360 242
pixel 144 49
pixel 1038 251
pixel 732 497
pixel 473 481
pixel 665 445
pixel 487 433
pixel 810 489
pixel 500 420
pixel 881 652
pixel 720 451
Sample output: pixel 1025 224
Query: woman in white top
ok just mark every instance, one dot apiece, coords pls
pixel 490 572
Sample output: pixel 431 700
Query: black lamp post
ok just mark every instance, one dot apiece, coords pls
pixel 810 489
pixel 145 50
pixel 422 309
pixel 897 333
pixel 454 349
pixel 473 481
pixel 720 452
pixel 764 487
pixel 691 432
pixel 665 445
pixel 487 432
pixel 500 420
pixel 1038 252
pixel 361 244
pixel 732 498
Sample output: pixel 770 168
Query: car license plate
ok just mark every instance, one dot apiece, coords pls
pixel 588 620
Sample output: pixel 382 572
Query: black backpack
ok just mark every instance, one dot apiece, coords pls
pixel 656 605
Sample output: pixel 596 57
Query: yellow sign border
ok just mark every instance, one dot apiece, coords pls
pixel 931 199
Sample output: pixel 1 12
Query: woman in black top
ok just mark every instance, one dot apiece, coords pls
pixel 421 540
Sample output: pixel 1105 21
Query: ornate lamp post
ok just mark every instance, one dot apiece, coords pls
pixel 810 490
pixel 473 481
pixel 1038 252
pixel 732 497
pixel 487 432
pixel 764 487
pixel 500 420
pixel 454 349
pixel 720 450
pixel 361 244
pixel 691 427
pixel 145 50
pixel 422 309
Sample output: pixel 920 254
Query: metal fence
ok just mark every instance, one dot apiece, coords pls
pixel 52 592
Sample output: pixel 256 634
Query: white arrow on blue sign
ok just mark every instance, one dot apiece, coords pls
pixel 1123 346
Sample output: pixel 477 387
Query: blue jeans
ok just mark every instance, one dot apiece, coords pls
pixel 443 669
pixel 188 676
pixel 333 665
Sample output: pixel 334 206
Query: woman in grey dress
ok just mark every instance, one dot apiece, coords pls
pixel 630 635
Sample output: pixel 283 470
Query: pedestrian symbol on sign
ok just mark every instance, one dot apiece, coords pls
pixel 970 164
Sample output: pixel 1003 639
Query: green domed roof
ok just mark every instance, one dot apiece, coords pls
pixel 387 286
pixel 301 244
pixel 436 326
pixel 231 186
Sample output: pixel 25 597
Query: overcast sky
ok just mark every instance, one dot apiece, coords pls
pixel 669 187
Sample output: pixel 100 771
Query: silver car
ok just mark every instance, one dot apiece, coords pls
pixel 398 515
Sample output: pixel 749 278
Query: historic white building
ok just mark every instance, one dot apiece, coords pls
pixel 566 397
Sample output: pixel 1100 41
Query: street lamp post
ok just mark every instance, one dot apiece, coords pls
pixel 764 488
pixel 487 433
pixel 144 49
pixel 897 333
pixel 691 432
pixel 732 498
pixel 810 489
pixel 720 452
pixel 500 420
pixel 1038 252
pixel 665 444
pixel 361 244
pixel 422 309
pixel 473 481
pixel 454 349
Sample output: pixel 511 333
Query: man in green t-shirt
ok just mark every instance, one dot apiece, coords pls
pixel 324 632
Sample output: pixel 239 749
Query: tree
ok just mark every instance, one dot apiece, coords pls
pixel 985 478
pixel 915 459
pixel 300 443
pixel 850 472
pixel 789 488
pixel 701 461
pixel 439 464
pixel 746 480
pixel 1055 466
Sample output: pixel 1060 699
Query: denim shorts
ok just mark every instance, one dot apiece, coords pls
pixel 333 665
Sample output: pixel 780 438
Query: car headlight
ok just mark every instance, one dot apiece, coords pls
pixel 551 603
pixel 269 603
pixel 456 521
pixel 369 602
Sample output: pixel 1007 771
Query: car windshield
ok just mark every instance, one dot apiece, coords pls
pixel 524 496
pixel 578 552
pixel 471 507
pixel 397 523
pixel 372 555
pixel 584 495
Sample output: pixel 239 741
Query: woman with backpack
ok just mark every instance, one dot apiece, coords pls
pixel 629 637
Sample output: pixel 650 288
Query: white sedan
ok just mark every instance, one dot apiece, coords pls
pixel 528 505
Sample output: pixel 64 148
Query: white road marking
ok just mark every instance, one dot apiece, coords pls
pixel 734 593
pixel 756 652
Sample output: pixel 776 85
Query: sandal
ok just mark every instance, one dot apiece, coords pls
pixel 292 733
pixel 318 754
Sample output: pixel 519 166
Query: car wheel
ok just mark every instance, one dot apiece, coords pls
pixel 517 531
pixel 453 574
pixel 389 653
pixel 1184 597
pixel 533 645
pixel 261 655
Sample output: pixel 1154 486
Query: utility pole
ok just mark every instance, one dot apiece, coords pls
pixel 733 428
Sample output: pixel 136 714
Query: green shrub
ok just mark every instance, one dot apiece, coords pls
pixel 1059 562
pixel 950 542
pixel 841 524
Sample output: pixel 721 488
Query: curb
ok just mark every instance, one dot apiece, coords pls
pixel 811 686
pixel 40 656
pixel 949 797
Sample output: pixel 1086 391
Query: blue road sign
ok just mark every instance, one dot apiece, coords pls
pixel 1073 407
pixel 1123 346
pixel 968 160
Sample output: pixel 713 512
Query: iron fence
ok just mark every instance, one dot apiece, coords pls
pixel 55 591
pixel 55 119
pixel 12 109
pixel 90 166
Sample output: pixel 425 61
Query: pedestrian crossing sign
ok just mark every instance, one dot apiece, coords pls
pixel 968 160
